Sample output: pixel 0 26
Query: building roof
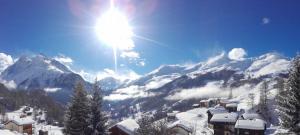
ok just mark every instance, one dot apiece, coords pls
pixel 128 126
pixel 232 105
pixel 217 110
pixel 23 121
pixel 250 116
pixel 182 124
pixel 256 124
pixel 195 105
pixel 224 117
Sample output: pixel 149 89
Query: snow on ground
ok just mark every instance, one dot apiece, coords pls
pixel 52 130
pixel 7 132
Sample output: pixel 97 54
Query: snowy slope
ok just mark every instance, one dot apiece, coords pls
pixel 219 68
pixel 41 72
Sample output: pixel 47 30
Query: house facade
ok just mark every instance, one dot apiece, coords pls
pixel 22 125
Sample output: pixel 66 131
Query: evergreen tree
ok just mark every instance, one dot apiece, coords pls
pixel 76 117
pixel 263 105
pixel 97 119
pixel 289 100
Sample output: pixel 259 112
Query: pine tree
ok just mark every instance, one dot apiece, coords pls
pixel 76 117
pixel 97 119
pixel 263 106
pixel 289 100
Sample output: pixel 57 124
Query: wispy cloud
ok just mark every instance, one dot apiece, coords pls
pixel 122 75
pixel 211 89
pixel 266 20
pixel 64 59
pixel 130 55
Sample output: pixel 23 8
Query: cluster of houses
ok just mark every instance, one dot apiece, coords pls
pixel 21 121
pixel 223 118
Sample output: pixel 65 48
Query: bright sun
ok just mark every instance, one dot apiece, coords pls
pixel 114 30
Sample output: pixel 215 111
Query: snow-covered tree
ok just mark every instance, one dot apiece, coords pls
pixel 263 105
pixel 251 100
pixel 289 100
pixel 76 117
pixel 145 126
pixel 98 120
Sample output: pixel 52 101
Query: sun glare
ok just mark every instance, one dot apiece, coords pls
pixel 114 30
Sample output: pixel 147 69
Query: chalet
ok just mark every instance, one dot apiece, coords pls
pixel 250 127
pixel 208 103
pixel 181 128
pixel 204 103
pixel 224 102
pixel 21 125
pixel 231 107
pixel 125 127
pixel 215 110
pixel 195 105
pixel 224 123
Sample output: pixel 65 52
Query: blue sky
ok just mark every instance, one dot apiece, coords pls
pixel 182 30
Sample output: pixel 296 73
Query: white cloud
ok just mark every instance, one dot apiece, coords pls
pixel 142 63
pixel 52 89
pixel 133 91
pixel 64 59
pixel 237 54
pixel 265 20
pixel 130 55
pixel 8 84
pixel 5 61
pixel 210 90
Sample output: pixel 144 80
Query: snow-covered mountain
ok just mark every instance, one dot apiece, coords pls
pixel 41 72
pixel 172 83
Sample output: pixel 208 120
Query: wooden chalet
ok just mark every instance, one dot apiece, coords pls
pixel 224 123
pixel 21 125
pixel 125 127
pixel 250 127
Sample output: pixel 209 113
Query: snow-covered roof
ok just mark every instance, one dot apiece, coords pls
pixel 203 101
pixel 250 116
pixel 23 121
pixel 128 126
pixel 256 124
pixel 224 117
pixel 232 105
pixel 195 105
pixel 173 114
pixel 224 101
pixel 183 124
pixel 217 110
